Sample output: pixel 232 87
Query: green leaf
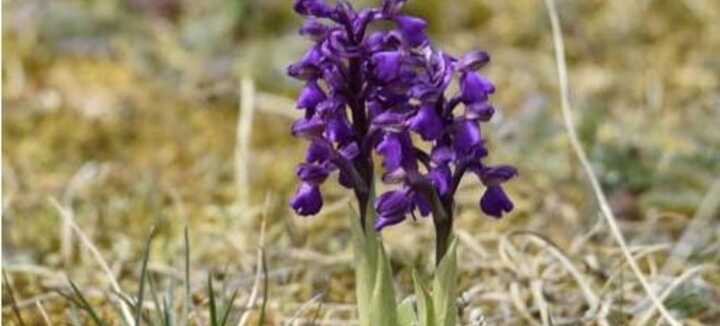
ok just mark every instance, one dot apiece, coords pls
pixel 425 313
pixel 445 288
pixel 406 313
pixel 383 309
pixel 365 264
pixel 424 301
pixel 373 276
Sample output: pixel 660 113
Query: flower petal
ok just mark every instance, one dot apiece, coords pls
pixel 316 8
pixel 391 8
pixel 466 136
pixel 387 65
pixel 314 29
pixel 442 155
pixel 474 60
pixel 310 96
pixel 309 128
pixel 482 111
pixel 314 174
pixel 391 208
pixel 317 152
pixel 496 175
pixel 338 129
pixel 441 177
pixel 390 148
pixel 412 29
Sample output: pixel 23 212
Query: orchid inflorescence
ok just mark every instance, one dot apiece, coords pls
pixel 369 89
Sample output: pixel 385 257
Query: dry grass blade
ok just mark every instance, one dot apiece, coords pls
pixel 696 233
pixel 548 245
pixel 260 272
pixel 68 218
pixel 644 318
pixel 582 156
pixel 242 142
pixel 43 313
pixel 519 303
pixel 13 302
pixel 304 307
pixel 539 298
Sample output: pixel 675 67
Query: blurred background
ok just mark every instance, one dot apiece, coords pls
pixel 129 114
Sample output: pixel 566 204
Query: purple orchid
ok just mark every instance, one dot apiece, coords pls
pixel 374 91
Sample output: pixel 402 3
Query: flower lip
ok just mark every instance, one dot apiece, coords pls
pixel 427 123
pixel 495 202
pixel 307 200
pixel 475 87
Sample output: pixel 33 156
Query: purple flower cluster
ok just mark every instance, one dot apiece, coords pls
pixel 385 91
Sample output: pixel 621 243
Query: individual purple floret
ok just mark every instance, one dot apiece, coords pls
pixel 385 91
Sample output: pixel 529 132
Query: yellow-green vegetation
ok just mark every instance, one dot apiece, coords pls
pixel 123 115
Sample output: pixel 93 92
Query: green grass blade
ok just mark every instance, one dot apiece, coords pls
pixel 143 278
pixel 156 301
pixel 266 288
pixel 187 306
pixel 228 308
pixel 169 319
pixel 211 305
pixel 85 305
pixel 169 302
